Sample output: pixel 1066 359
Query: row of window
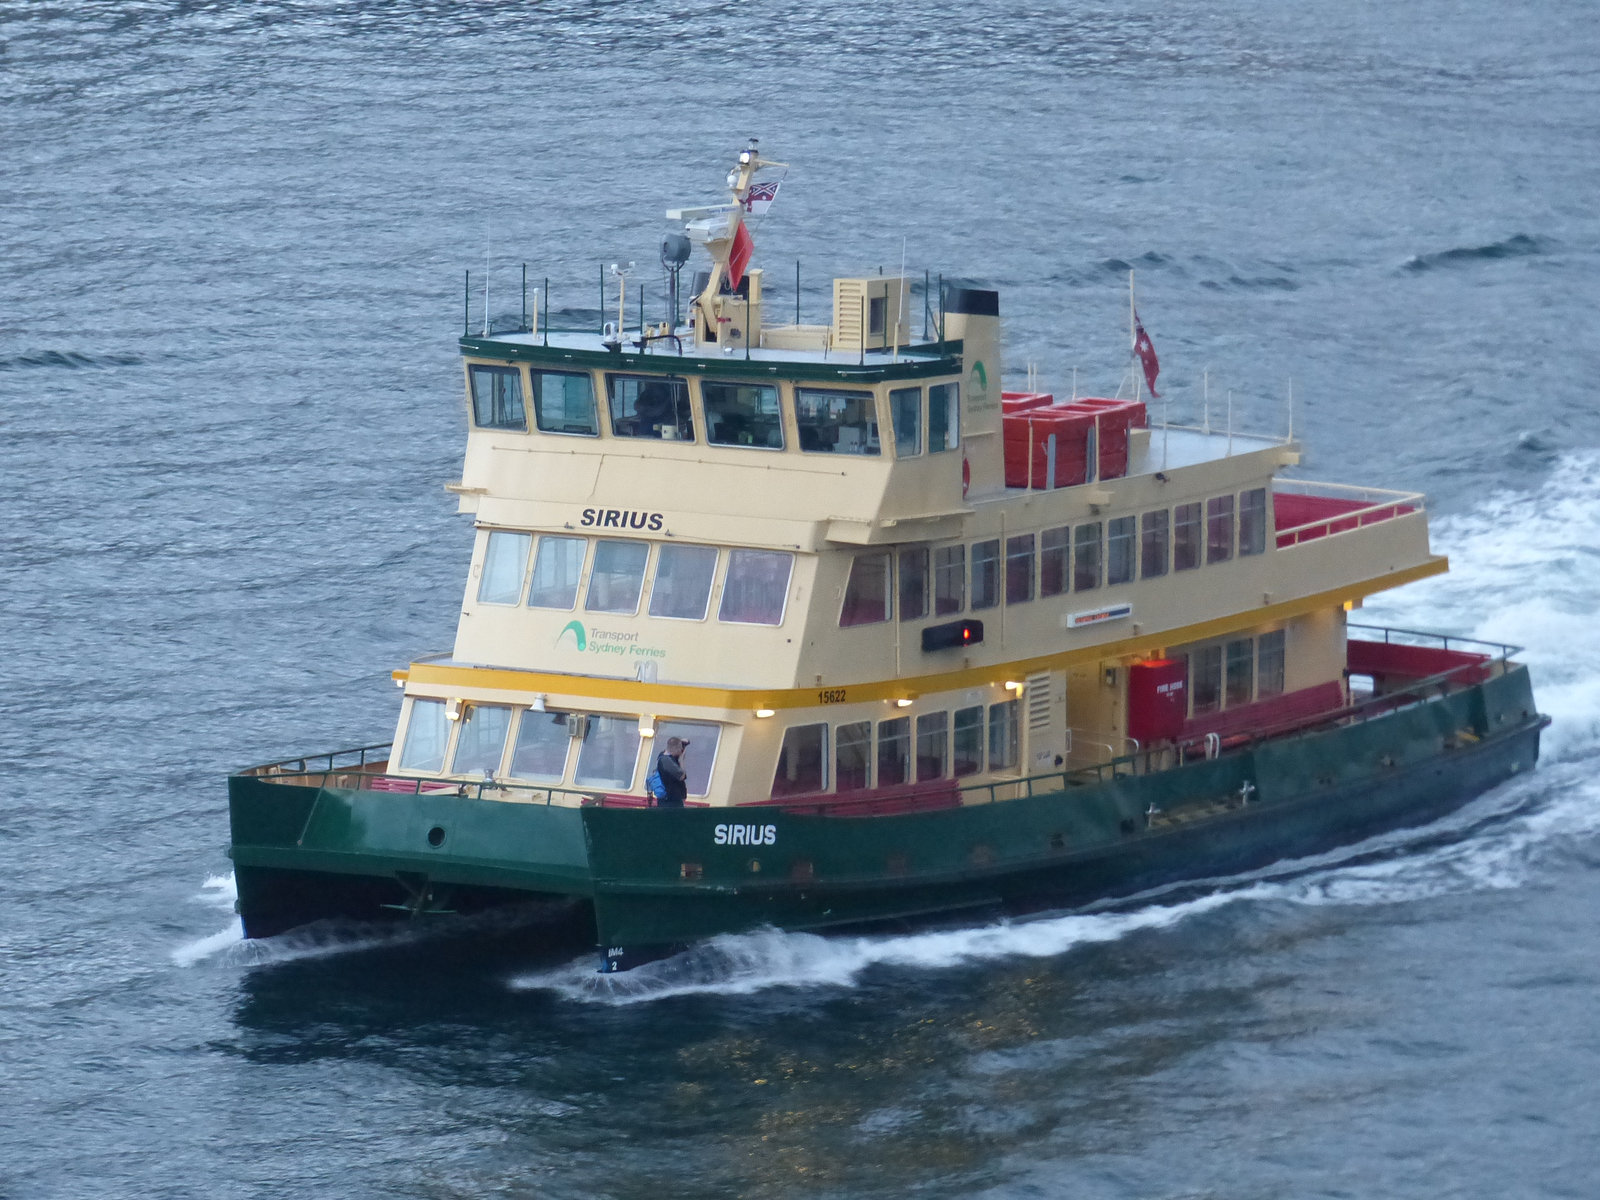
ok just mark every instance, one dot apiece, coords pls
pixel 1077 558
pixel 755 584
pixel 823 420
pixel 939 745
pixel 526 744
pixel 1228 674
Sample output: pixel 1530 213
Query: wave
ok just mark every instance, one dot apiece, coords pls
pixel 70 359
pixel 1517 246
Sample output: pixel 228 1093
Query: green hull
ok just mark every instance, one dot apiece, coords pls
pixel 656 878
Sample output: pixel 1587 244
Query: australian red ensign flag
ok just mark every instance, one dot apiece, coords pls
pixel 760 197
pixel 1145 349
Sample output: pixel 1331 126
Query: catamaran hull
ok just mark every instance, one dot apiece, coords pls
pixel 647 881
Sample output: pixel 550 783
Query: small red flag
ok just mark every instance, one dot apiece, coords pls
pixel 739 256
pixel 1145 349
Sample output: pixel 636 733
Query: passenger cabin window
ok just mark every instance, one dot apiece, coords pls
pixel 866 595
pixel 1119 551
pixel 944 417
pixel 1005 743
pixel 497 398
pixel 505 561
pixel 933 745
pixel 1186 537
pixel 833 422
pixel 563 402
pixel 802 761
pixel 556 568
pixel 1219 529
pixel 1153 544
pixel 650 406
pixel 682 587
pixel 985 574
pixel 894 751
pixel 742 414
pixel 905 410
pixel 1239 672
pixel 914 584
pixel 757 587
pixel 852 771
pixel 1019 569
pixel 949 580
pixel 617 577
pixel 1054 548
pixel 427 731
pixel 482 739
pixel 1269 664
pixel 967 741
pixel 1086 557
pixel 1252 521
pixel 540 752
pixel 698 759
pixel 1205 684
pixel 610 749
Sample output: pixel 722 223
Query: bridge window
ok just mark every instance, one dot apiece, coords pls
pixel 1086 557
pixel 1054 549
pixel 1269 664
pixel 1219 529
pixel 541 748
pixel 949 579
pixel 1019 569
pixel 1186 537
pixel 757 587
pixel 617 577
pixel 1119 551
pixel 610 749
pixel 967 742
pixel 682 587
pixel 650 406
pixel 698 760
pixel 1005 748
pixel 505 561
pixel 802 761
pixel 1239 672
pixel 905 411
pixel 853 757
pixel 944 417
pixel 914 584
pixel 1153 544
pixel 866 595
pixel 742 414
pixel 556 568
pixel 933 745
pixel 427 731
pixel 986 574
pixel 1252 521
pixel 894 751
pixel 834 422
pixel 497 398
pixel 563 402
pixel 482 739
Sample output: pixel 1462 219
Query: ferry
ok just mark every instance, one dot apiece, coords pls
pixel 919 648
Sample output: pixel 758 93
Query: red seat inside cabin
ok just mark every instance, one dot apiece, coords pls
pixel 872 802
pixel 1274 714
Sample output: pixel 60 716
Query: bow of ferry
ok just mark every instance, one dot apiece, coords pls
pixel 935 648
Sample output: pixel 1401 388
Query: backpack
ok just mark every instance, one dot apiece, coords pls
pixel 655 787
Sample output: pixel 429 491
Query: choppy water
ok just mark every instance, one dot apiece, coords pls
pixel 231 245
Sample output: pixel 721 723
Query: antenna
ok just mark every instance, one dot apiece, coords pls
pixel 1290 438
pixel 486 277
pixel 1205 384
pixel 1230 420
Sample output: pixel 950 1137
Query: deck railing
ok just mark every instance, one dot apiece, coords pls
pixel 1353 507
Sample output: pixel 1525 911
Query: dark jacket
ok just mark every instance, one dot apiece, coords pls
pixel 677 784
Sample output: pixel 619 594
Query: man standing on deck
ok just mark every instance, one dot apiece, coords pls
pixel 669 766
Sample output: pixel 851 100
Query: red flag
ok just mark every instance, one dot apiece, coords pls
pixel 1145 349
pixel 739 256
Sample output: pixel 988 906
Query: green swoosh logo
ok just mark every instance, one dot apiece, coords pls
pixel 575 628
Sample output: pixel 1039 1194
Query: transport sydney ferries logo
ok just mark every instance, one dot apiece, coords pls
pixel 594 640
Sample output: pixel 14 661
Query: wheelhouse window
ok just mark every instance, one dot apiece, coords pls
pixel 556 568
pixel 650 406
pixel 757 587
pixel 682 587
pixel 905 411
pixel 986 574
pixel 1186 537
pixel 1005 743
pixel 802 761
pixel 944 417
pixel 894 751
pixel 563 402
pixel 617 577
pixel 835 422
pixel 482 739
pixel 540 751
pixel 966 742
pixel 933 745
pixel 1205 684
pixel 742 414
pixel 1086 557
pixel 1239 672
pixel 610 749
pixel 505 561
pixel 1153 544
pixel 852 770
pixel 949 580
pixel 1019 569
pixel 427 731
pixel 1055 546
pixel 1252 522
pixel 1269 664
pixel 1119 551
pixel 914 584
pixel 1219 529
pixel 866 595
pixel 497 398
pixel 699 759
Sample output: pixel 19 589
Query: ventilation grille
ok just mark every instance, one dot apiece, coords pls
pixel 1037 691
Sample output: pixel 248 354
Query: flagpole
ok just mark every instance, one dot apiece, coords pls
pixel 1133 337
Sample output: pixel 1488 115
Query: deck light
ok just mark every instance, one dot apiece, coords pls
pixel 1013 685
pixel 903 702
pixel 452 711
pixel 647 726
pixel 765 712
pixel 537 704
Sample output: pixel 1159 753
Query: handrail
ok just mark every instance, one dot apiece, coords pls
pixel 1503 651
